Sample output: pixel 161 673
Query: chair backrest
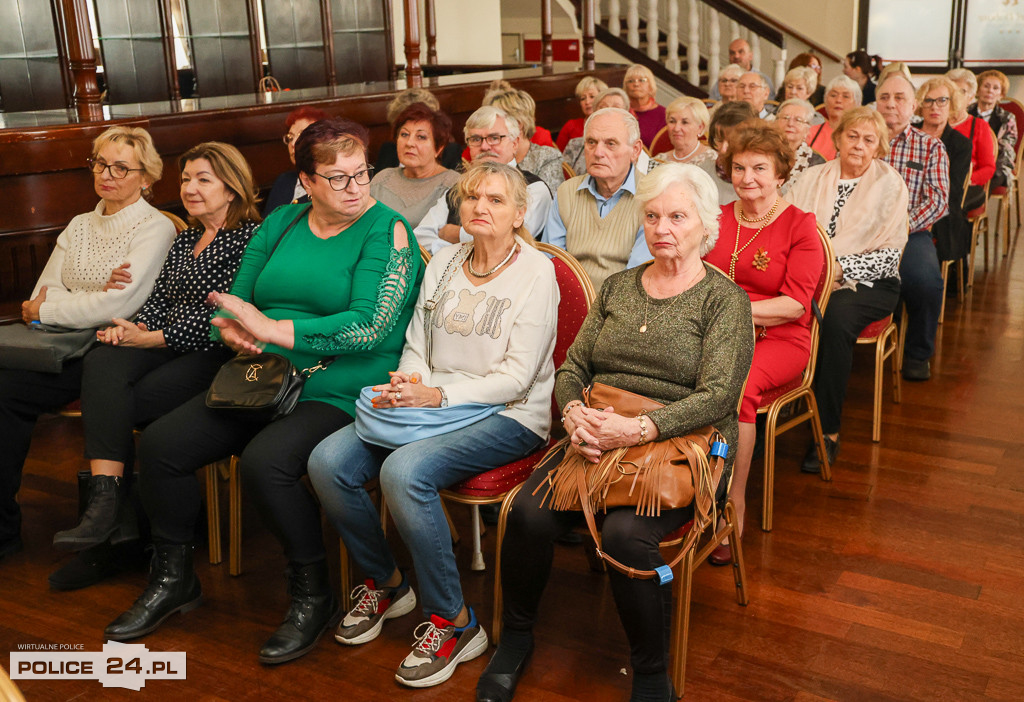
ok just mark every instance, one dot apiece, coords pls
pixel 567 171
pixel 425 255
pixel 576 295
pixel 820 109
pixel 179 224
pixel 967 182
pixel 822 293
pixel 1015 108
pixel 661 143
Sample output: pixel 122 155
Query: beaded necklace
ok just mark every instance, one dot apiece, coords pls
pixel 737 249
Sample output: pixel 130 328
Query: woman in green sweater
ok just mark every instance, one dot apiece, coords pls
pixel 677 332
pixel 336 278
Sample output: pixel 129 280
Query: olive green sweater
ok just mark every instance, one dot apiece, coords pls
pixel 693 358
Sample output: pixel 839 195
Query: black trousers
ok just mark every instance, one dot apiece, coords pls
pixel 124 388
pixel 24 395
pixel 645 607
pixel 921 290
pixel 273 461
pixel 848 312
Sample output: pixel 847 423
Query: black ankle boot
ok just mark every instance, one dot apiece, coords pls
pixel 501 676
pixel 314 609
pixel 106 504
pixel 173 587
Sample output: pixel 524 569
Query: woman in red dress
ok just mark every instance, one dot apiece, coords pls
pixel 771 250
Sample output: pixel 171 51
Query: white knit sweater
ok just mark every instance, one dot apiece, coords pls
pixel 88 250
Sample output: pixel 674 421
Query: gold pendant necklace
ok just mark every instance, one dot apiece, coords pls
pixel 647 301
pixel 762 257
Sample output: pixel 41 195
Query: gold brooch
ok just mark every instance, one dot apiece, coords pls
pixel 761 259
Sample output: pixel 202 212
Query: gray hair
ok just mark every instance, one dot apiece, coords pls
pixel 760 78
pixel 807 107
pixel 612 92
pixel 962 75
pixel 732 68
pixel 485 117
pixel 847 83
pixel 632 126
pixel 698 184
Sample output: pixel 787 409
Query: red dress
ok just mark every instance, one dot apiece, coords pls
pixel 794 263
pixel 570 130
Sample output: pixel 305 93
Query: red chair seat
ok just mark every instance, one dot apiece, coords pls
pixel 875 328
pixel 1001 190
pixel 771 395
pixel 678 533
pixel 976 212
pixel 498 481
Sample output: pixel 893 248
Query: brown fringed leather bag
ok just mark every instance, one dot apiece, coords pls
pixel 666 474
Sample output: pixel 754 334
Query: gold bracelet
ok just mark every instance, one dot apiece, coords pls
pixel 569 406
pixel 643 429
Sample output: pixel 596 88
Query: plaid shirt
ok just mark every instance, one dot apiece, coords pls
pixel 922 161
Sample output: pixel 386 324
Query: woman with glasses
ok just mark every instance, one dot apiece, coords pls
pixel 331 283
pixel 71 294
pixel 793 120
pixel 641 88
pixel 287 188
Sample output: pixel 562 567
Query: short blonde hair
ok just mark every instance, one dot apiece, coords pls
pixel 231 167
pixel 638 71
pixel 515 187
pixel 590 83
pixel 699 185
pixel 956 98
pixel 408 97
pixel 808 75
pixel 1004 82
pixel 616 92
pixel 141 144
pixel 696 107
pixel 864 115
pixel 517 104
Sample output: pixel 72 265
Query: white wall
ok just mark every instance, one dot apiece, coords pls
pixel 831 23
pixel 467 32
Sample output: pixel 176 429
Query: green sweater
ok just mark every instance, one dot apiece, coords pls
pixel 693 359
pixel 351 295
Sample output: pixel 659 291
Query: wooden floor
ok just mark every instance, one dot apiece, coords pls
pixel 902 579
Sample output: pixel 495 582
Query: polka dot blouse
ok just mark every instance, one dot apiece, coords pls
pixel 177 304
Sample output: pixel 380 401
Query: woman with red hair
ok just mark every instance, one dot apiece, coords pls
pixel 287 190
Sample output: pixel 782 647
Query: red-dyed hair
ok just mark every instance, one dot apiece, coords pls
pixel 311 114
pixel 440 123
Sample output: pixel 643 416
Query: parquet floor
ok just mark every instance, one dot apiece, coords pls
pixel 903 579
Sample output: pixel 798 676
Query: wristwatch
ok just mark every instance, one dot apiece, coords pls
pixel 444 397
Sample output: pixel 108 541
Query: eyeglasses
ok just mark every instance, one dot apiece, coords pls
pixel 637 80
pixel 940 101
pixel 728 80
pixel 116 169
pixel 340 182
pixel 290 138
pixel 791 120
pixel 492 139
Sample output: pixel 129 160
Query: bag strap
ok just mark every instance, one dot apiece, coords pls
pixel 430 305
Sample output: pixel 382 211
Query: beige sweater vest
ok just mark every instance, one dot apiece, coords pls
pixel 602 246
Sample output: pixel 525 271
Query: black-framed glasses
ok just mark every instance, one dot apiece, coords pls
pixel 491 139
pixel 340 182
pixel 940 101
pixel 117 170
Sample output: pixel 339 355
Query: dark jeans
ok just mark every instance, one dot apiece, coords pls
pixel 645 607
pixel 848 312
pixel 273 461
pixel 24 395
pixel 123 388
pixel 921 290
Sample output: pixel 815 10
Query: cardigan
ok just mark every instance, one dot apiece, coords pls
pixel 86 253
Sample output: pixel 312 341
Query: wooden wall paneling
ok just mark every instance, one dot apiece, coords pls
pixel 221 41
pixel 22 257
pixel 295 43
pixel 31 77
pixel 134 56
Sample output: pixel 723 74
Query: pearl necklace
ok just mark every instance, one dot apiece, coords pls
pixel 473 271
pixel 687 157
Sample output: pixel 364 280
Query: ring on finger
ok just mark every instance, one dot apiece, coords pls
pixel 398 395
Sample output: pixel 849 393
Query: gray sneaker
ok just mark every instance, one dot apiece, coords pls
pixel 364 621
pixel 439 648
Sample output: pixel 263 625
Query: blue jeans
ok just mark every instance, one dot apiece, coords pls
pixel 410 478
pixel 921 290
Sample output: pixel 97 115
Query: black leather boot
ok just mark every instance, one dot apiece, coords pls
pixel 314 609
pixel 173 587
pixel 104 513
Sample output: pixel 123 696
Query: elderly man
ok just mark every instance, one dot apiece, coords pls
pixel 741 55
pixel 922 161
pixel 594 217
pixel 755 90
pixel 490 134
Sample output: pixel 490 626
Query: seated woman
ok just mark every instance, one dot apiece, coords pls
pixel 70 294
pixel 411 188
pixel 507 289
pixel 287 189
pixel 842 94
pixel 387 154
pixel 809 60
pixel 723 121
pixel 691 354
pixel 772 250
pixel 149 366
pixel 642 88
pixel 800 83
pixel 687 119
pixel 543 161
pixel 793 120
pixel 993 87
pixel 862 203
pixel 587 91
pixel 333 279
pixel 727 85
pixel 983 140
pixel 574 156
pixel 937 98
pixel 863 69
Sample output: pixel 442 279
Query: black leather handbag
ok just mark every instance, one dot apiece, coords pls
pixel 260 388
